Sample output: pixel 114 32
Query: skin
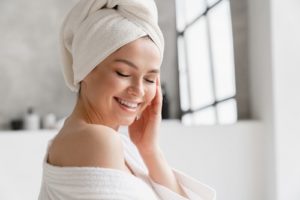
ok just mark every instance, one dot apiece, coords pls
pixel 130 74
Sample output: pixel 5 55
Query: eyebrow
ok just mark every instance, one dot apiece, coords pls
pixel 130 64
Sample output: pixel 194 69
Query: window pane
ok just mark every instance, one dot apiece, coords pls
pixel 180 15
pixel 211 2
pixel 227 112
pixel 206 116
pixel 181 54
pixel 193 8
pixel 187 119
pixel 203 117
pixel 222 50
pixel 183 77
pixel 199 65
pixel 184 92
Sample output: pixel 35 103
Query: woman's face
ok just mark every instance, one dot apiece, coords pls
pixel 124 84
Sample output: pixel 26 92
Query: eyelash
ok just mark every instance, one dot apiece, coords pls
pixel 150 81
pixel 126 76
pixel 123 75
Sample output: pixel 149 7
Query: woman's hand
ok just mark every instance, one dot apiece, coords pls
pixel 144 131
pixel 144 134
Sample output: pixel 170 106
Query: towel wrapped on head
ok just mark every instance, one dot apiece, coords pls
pixel 94 29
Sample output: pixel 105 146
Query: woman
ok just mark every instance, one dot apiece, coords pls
pixel 112 52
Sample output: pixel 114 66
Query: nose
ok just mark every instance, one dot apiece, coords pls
pixel 136 89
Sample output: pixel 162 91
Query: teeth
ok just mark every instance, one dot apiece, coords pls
pixel 128 104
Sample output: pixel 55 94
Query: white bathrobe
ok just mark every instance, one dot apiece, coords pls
pixel 95 183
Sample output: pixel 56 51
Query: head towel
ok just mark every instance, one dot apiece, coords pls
pixel 94 29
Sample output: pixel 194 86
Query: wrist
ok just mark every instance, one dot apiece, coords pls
pixel 149 151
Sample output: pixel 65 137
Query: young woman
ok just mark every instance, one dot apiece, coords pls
pixel 112 52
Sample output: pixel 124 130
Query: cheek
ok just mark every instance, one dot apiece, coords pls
pixel 115 82
pixel 99 88
pixel 150 94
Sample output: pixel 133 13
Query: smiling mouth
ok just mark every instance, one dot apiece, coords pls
pixel 128 104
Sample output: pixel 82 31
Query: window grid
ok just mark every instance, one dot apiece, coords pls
pixel 181 36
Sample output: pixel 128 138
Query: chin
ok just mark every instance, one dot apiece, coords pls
pixel 127 122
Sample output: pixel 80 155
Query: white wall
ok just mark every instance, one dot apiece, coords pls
pixel 261 86
pixel 21 155
pixel 229 158
pixel 286 64
pixel 261 76
pixel 274 67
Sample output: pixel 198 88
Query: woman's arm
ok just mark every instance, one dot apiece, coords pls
pixel 160 171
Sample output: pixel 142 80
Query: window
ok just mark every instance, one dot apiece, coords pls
pixel 206 62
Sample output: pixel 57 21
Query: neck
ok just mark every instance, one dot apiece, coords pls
pixel 84 112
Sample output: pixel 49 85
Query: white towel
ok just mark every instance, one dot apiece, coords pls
pixel 87 183
pixel 94 29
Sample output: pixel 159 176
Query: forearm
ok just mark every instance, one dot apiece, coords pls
pixel 160 171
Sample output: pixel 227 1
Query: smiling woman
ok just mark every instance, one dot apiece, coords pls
pixel 112 53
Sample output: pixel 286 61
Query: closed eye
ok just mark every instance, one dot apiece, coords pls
pixel 149 81
pixel 122 75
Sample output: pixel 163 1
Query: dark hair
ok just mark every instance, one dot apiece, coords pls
pixel 79 90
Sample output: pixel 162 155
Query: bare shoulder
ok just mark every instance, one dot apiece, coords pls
pixel 91 146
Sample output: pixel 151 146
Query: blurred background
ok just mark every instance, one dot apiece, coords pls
pixel 230 78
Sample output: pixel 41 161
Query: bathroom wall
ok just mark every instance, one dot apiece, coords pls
pixel 274 77
pixel 286 61
pixel 29 66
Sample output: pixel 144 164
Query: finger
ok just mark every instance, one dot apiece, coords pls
pixel 157 101
pixel 158 81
